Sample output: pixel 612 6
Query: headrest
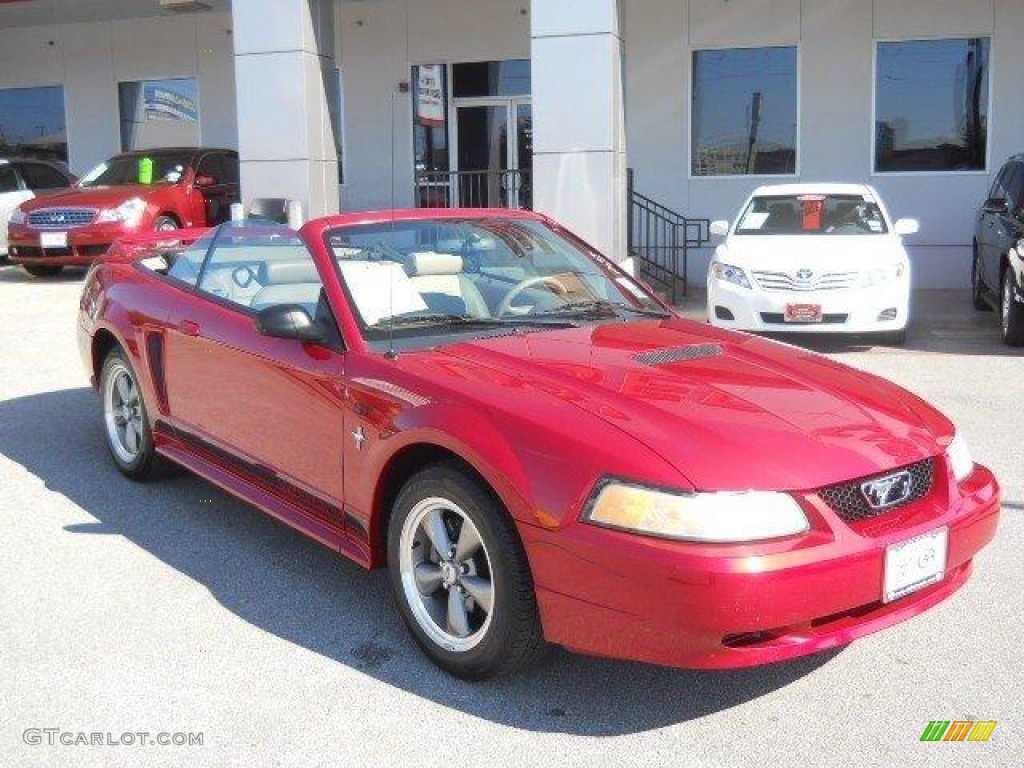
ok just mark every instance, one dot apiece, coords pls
pixel 432 263
pixel 290 271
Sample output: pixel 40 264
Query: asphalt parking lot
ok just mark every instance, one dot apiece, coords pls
pixel 171 607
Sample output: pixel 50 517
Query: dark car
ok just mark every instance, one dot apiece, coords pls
pixel 21 179
pixel 144 190
pixel 997 271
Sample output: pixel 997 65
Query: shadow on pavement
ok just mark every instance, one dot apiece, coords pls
pixel 285 584
pixel 12 273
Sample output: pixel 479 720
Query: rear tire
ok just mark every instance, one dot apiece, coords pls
pixel 1012 314
pixel 37 270
pixel 165 224
pixel 126 419
pixel 978 286
pixel 472 609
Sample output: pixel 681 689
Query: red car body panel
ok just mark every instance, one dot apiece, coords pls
pixel 187 203
pixel 542 418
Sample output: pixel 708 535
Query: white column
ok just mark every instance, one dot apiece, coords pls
pixel 285 79
pixel 579 160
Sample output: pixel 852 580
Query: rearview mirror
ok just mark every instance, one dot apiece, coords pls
pixel 906 227
pixel 720 228
pixel 995 205
pixel 288 321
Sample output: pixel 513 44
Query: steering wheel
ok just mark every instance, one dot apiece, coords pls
pixel 506 303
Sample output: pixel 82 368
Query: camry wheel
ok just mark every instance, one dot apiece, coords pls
pixel 44 270
pixel 978 286
pixel 461 577
pixel 1012 312
pixel 129 436
pixel 164 224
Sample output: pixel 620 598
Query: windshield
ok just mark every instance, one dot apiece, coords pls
pixel 811 214
pixel 153 168
pixel 433 277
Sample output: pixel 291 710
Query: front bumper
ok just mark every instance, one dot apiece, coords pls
pixel 85 245
pixel 679 604
pixel 851 310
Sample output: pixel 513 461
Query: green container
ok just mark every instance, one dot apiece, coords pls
pixel 145 170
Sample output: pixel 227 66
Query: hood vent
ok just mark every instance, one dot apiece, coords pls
pixel 677 354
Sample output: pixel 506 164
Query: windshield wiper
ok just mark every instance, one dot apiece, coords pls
pixel 590 306
pixel 470 321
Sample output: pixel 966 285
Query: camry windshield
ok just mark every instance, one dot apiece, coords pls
pixel 811 214
pixel 150 168
pixel 431 277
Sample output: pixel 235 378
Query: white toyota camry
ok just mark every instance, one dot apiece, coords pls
pixel 812 258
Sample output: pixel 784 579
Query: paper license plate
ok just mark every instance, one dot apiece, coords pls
pixel 914 564
pixel 803 313
pixel 53 239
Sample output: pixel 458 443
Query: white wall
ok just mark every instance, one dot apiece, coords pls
pixel 836 40
pixel 379 42
pixel 90 59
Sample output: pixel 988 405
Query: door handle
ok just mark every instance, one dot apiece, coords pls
pixel 189 328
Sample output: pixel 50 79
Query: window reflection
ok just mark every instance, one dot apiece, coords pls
pixel 159 113
pixel 32 123
pixel 744 111
pixel 931 105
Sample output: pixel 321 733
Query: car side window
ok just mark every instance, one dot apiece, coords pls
pixel 998 190
pixel 211 165
pixel 259 269
pixel 39 176
pixel 1014 186
pixel 8 179
pixel 230 168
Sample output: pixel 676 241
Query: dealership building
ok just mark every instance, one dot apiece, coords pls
pixel 357 104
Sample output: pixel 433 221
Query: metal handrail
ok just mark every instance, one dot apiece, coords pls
pixel 660 239
pixel 474 189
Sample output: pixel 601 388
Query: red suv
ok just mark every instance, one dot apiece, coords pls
pixel 151 189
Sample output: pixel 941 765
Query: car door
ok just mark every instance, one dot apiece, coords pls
pixel 12 194
pixel 1008 226
pixel 216 188
pixel 270 408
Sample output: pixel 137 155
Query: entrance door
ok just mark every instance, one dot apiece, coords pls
pixel 494 163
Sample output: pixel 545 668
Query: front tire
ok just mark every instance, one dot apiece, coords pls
pixel 461 577
pixel 1012 311
pixel 125 418
pixel 164 224
pixel 37 270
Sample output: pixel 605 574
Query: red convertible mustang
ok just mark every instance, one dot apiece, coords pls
pixel 532 443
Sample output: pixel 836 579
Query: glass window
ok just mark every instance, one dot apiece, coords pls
pixel 155 167
pixel 744 112
pixel 931 105
pixel 39 176
pixel 492 78
pixel 812 214
pixel 212 164
pixel 188 263
pixel 159 113
pixel 8 179
pixel 430 117
pixel 32 123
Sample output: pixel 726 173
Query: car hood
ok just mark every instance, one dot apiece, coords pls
pixel 727 410
pixel 92 197
pixel 785 253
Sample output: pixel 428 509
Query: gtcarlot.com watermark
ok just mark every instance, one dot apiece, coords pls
pixel 53 737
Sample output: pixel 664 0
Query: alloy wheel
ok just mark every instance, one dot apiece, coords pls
pixel 122 411
pixel 446 574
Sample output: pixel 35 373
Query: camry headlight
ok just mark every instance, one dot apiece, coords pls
pixel 714 517
pixel 729 274
pixel 959 457
pixel 17 217
pixel 876 276
pixel 129 212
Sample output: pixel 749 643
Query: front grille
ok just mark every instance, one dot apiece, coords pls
pixel 676 354
pixel 777 318
pixel 61 218
pixel 848 501
pixel 827 281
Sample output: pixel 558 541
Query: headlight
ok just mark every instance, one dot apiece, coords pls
pixel 713 517
pixel 17 217
pixel 729 274
pixel 959 457
pixel 876 276
pixel 129 212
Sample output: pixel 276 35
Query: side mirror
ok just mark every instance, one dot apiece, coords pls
pixel 720 228
pixel 205 181
pixel 996 205
pixel 288 321
pixel 906 227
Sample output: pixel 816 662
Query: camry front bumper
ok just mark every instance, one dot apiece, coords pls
pixel 880 308
pixel 620 595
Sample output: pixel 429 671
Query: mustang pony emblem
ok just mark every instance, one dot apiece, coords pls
pixel 889 490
